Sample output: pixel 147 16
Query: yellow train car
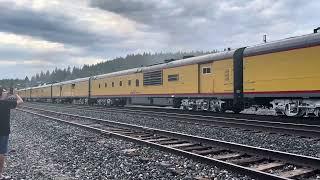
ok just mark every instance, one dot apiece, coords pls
pixel 71 91
pixel 28 93
pixel 170 81
pixel 56 91
pixel 41 92
pixel 285 70
pixel 198 77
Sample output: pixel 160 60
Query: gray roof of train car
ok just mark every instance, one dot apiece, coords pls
pixel 35 87
pixel 43 86
pixel 71 81
pixel 284 44
pixel 275 46
pixel 181 62
pixel 59 83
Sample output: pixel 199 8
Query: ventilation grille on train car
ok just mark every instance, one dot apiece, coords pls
pixel 152 78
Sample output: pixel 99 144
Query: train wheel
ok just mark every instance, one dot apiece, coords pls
pixel 236 111
pixel 317 112
pixel 292 110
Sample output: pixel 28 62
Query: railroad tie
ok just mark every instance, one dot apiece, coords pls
pixel 151 137
pixel 248 160
pixel 159 139
pixel 207 151
pixel 297 172
pixel 227 156
pixel 172 142
pixel 142 135
pixel 267 166
pixel 181 145
pixel 193 148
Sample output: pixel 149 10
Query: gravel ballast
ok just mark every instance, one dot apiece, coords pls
pixel 291 144
pixel 44 149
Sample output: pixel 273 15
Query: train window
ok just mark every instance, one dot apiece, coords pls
pixel 73 86
pixel 105 85
pixel 112 84
pixel 173 77
pixel 129 82
pixel 137 82
pixel 99 85
pixel 206 70
pixel 120 83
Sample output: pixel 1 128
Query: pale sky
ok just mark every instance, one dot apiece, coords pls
pixel 40 35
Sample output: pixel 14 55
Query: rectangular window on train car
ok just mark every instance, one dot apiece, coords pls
pixel 73 86
pixel 206 70
pixel 173 77
pixel 112 84
pixel 152 78
pixel 137 82
pixel 105 85
pixel 120 83
pixel 99 85
pixel 129 82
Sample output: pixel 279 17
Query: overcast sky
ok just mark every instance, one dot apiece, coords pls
pixel 40 35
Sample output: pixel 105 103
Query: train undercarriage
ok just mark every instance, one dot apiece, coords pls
pixel 297 107
pixel 287 107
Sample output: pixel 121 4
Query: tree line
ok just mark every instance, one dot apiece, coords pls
pixel 108 66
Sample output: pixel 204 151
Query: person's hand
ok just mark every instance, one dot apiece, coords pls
pixel 4 95
pixel 19 99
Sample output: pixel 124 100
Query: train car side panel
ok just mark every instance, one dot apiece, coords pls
pixel 80 89
pixel 223 76
pixel 55 91
pixel 283 72
pixel 178 80
pixel 206 77
pixel 66 90
pixel 46 92
pixel 117 86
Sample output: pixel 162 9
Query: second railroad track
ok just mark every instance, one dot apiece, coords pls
pixel 287 128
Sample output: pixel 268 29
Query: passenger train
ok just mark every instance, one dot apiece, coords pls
pixel 282 74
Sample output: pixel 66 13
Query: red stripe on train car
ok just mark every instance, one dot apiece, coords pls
pixel 283 92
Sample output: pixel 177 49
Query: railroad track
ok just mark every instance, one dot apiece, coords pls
pixel 278 118
pixel 302 130
pixel 255 162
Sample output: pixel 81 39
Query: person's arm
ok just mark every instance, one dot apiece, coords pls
pixel 19 100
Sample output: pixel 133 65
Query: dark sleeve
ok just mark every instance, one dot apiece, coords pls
pixel 10 104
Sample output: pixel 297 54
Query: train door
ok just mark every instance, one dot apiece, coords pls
pixel 73 89
pixel 206 78
pixel 60 91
